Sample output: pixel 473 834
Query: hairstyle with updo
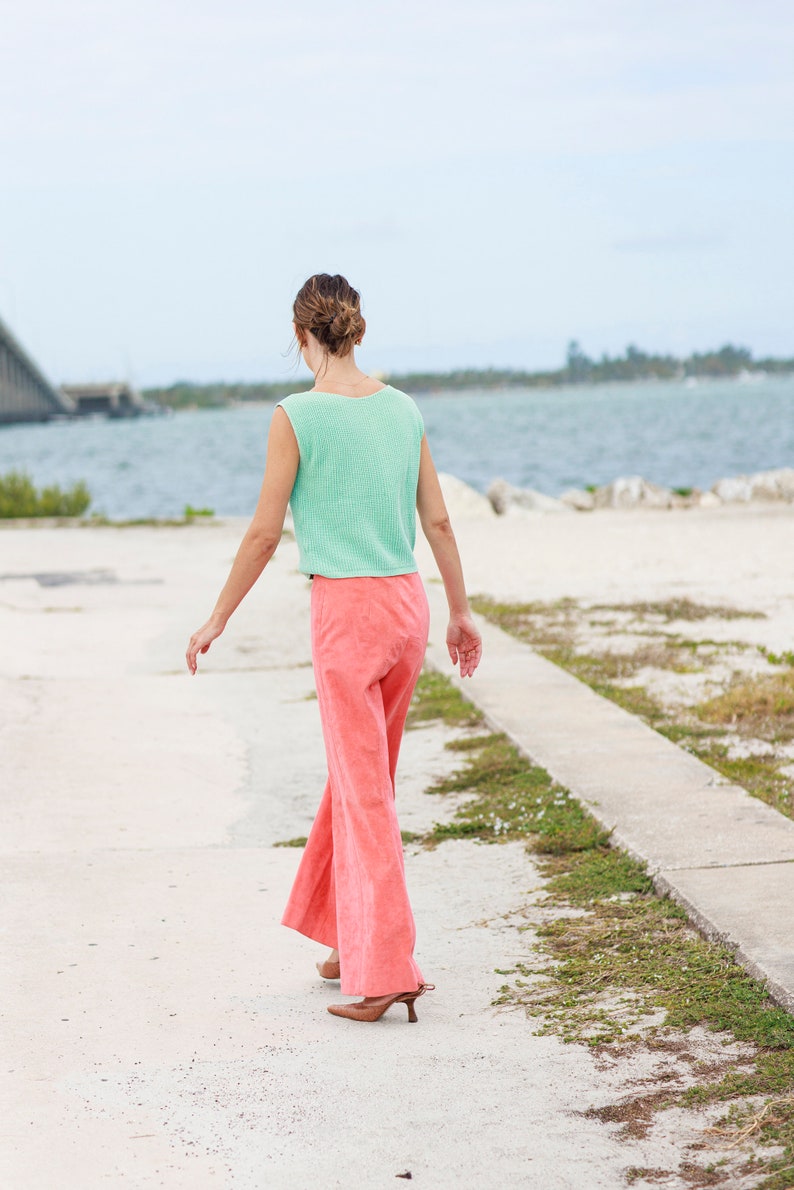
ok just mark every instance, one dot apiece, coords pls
pixel 330 308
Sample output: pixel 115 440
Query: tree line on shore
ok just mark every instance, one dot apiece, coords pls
pixel 579 368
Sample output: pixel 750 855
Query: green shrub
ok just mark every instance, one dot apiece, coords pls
pixel 19 498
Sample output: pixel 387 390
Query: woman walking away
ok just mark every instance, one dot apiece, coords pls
pixel 351 457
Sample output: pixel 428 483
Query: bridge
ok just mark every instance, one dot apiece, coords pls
pixel 27 395
pixel 113 399
pixel 25 392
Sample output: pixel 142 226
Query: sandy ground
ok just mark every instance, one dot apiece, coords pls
pixel 738 556
pixel 741 555
pixel 161 1028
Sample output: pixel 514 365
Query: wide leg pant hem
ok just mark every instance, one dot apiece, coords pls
pixel 324 940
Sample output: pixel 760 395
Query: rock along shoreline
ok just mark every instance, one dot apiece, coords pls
pixel 633 491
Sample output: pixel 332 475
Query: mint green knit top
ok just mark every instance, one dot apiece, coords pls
pixel 354 498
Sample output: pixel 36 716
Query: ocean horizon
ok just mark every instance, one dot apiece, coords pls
pixel 672 433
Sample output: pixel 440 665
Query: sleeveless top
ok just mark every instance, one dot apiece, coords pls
pixel 354 498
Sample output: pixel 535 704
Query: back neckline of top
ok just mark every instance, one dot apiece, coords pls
pixel 319 392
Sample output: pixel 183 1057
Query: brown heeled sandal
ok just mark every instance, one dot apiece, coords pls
pixel 373 1012
pixel 328 970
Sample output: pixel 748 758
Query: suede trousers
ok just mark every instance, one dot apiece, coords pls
pixel 368 644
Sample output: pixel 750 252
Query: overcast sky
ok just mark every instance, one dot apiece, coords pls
pixel 496 178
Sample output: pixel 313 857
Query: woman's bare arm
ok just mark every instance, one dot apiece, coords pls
pixel 262 536
pixel 463 640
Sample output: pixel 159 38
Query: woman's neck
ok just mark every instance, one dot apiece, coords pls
pixel 339 373
pixel 347 377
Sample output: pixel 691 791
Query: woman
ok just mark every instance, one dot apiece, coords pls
pixel 351 457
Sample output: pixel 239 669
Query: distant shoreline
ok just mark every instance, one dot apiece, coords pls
pixel 729 363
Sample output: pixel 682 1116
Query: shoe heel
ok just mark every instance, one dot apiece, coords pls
pixel 409 1000
pixel 409 1004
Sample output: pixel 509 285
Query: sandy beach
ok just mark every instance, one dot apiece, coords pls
pixel 162 1028
pixel 740 554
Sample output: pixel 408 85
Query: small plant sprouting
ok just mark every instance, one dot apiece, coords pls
pixel 785 658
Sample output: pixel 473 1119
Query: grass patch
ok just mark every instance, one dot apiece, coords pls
pixel 19 497
pixel 761 706
pixel 436 698
pixel 631 954
pixel 759 773
pixel 671 653
pixel 599 674
pixel 540 624
pixel 631 940
pixel 682 609
pixel 613 955
pixel 690 734
pixel 512 799
pixel 100 521
pixel 411 837
pixel 785 658
pixel 598 874
pixel 520 618
pixel 551 629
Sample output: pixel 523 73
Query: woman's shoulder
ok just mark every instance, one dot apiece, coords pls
pixel 302 407
pixel 407 401
pixel 397 394
pixel 299 398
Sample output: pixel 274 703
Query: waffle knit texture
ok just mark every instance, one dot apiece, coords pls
pixel 354 498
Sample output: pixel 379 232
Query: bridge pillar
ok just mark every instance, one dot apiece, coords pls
pixel 25 392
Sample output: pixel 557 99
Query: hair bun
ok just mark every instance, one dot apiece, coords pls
pixel 330 308
pixel 344 321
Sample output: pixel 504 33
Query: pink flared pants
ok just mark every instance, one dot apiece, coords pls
pixel 368 644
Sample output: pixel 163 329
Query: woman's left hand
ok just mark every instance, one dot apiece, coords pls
pixel 200 642
pixel 464 644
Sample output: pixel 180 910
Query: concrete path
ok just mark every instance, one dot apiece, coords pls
pixel 727 857
pixel 160 1028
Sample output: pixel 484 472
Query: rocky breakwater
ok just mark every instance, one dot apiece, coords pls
pixel 632 491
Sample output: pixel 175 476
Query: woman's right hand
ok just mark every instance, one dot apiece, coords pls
pixel 201 640
pixel 464 644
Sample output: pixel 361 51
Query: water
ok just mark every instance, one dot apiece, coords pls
pixel 548 439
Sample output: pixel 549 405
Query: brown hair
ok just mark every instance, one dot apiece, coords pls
pixel 330 308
